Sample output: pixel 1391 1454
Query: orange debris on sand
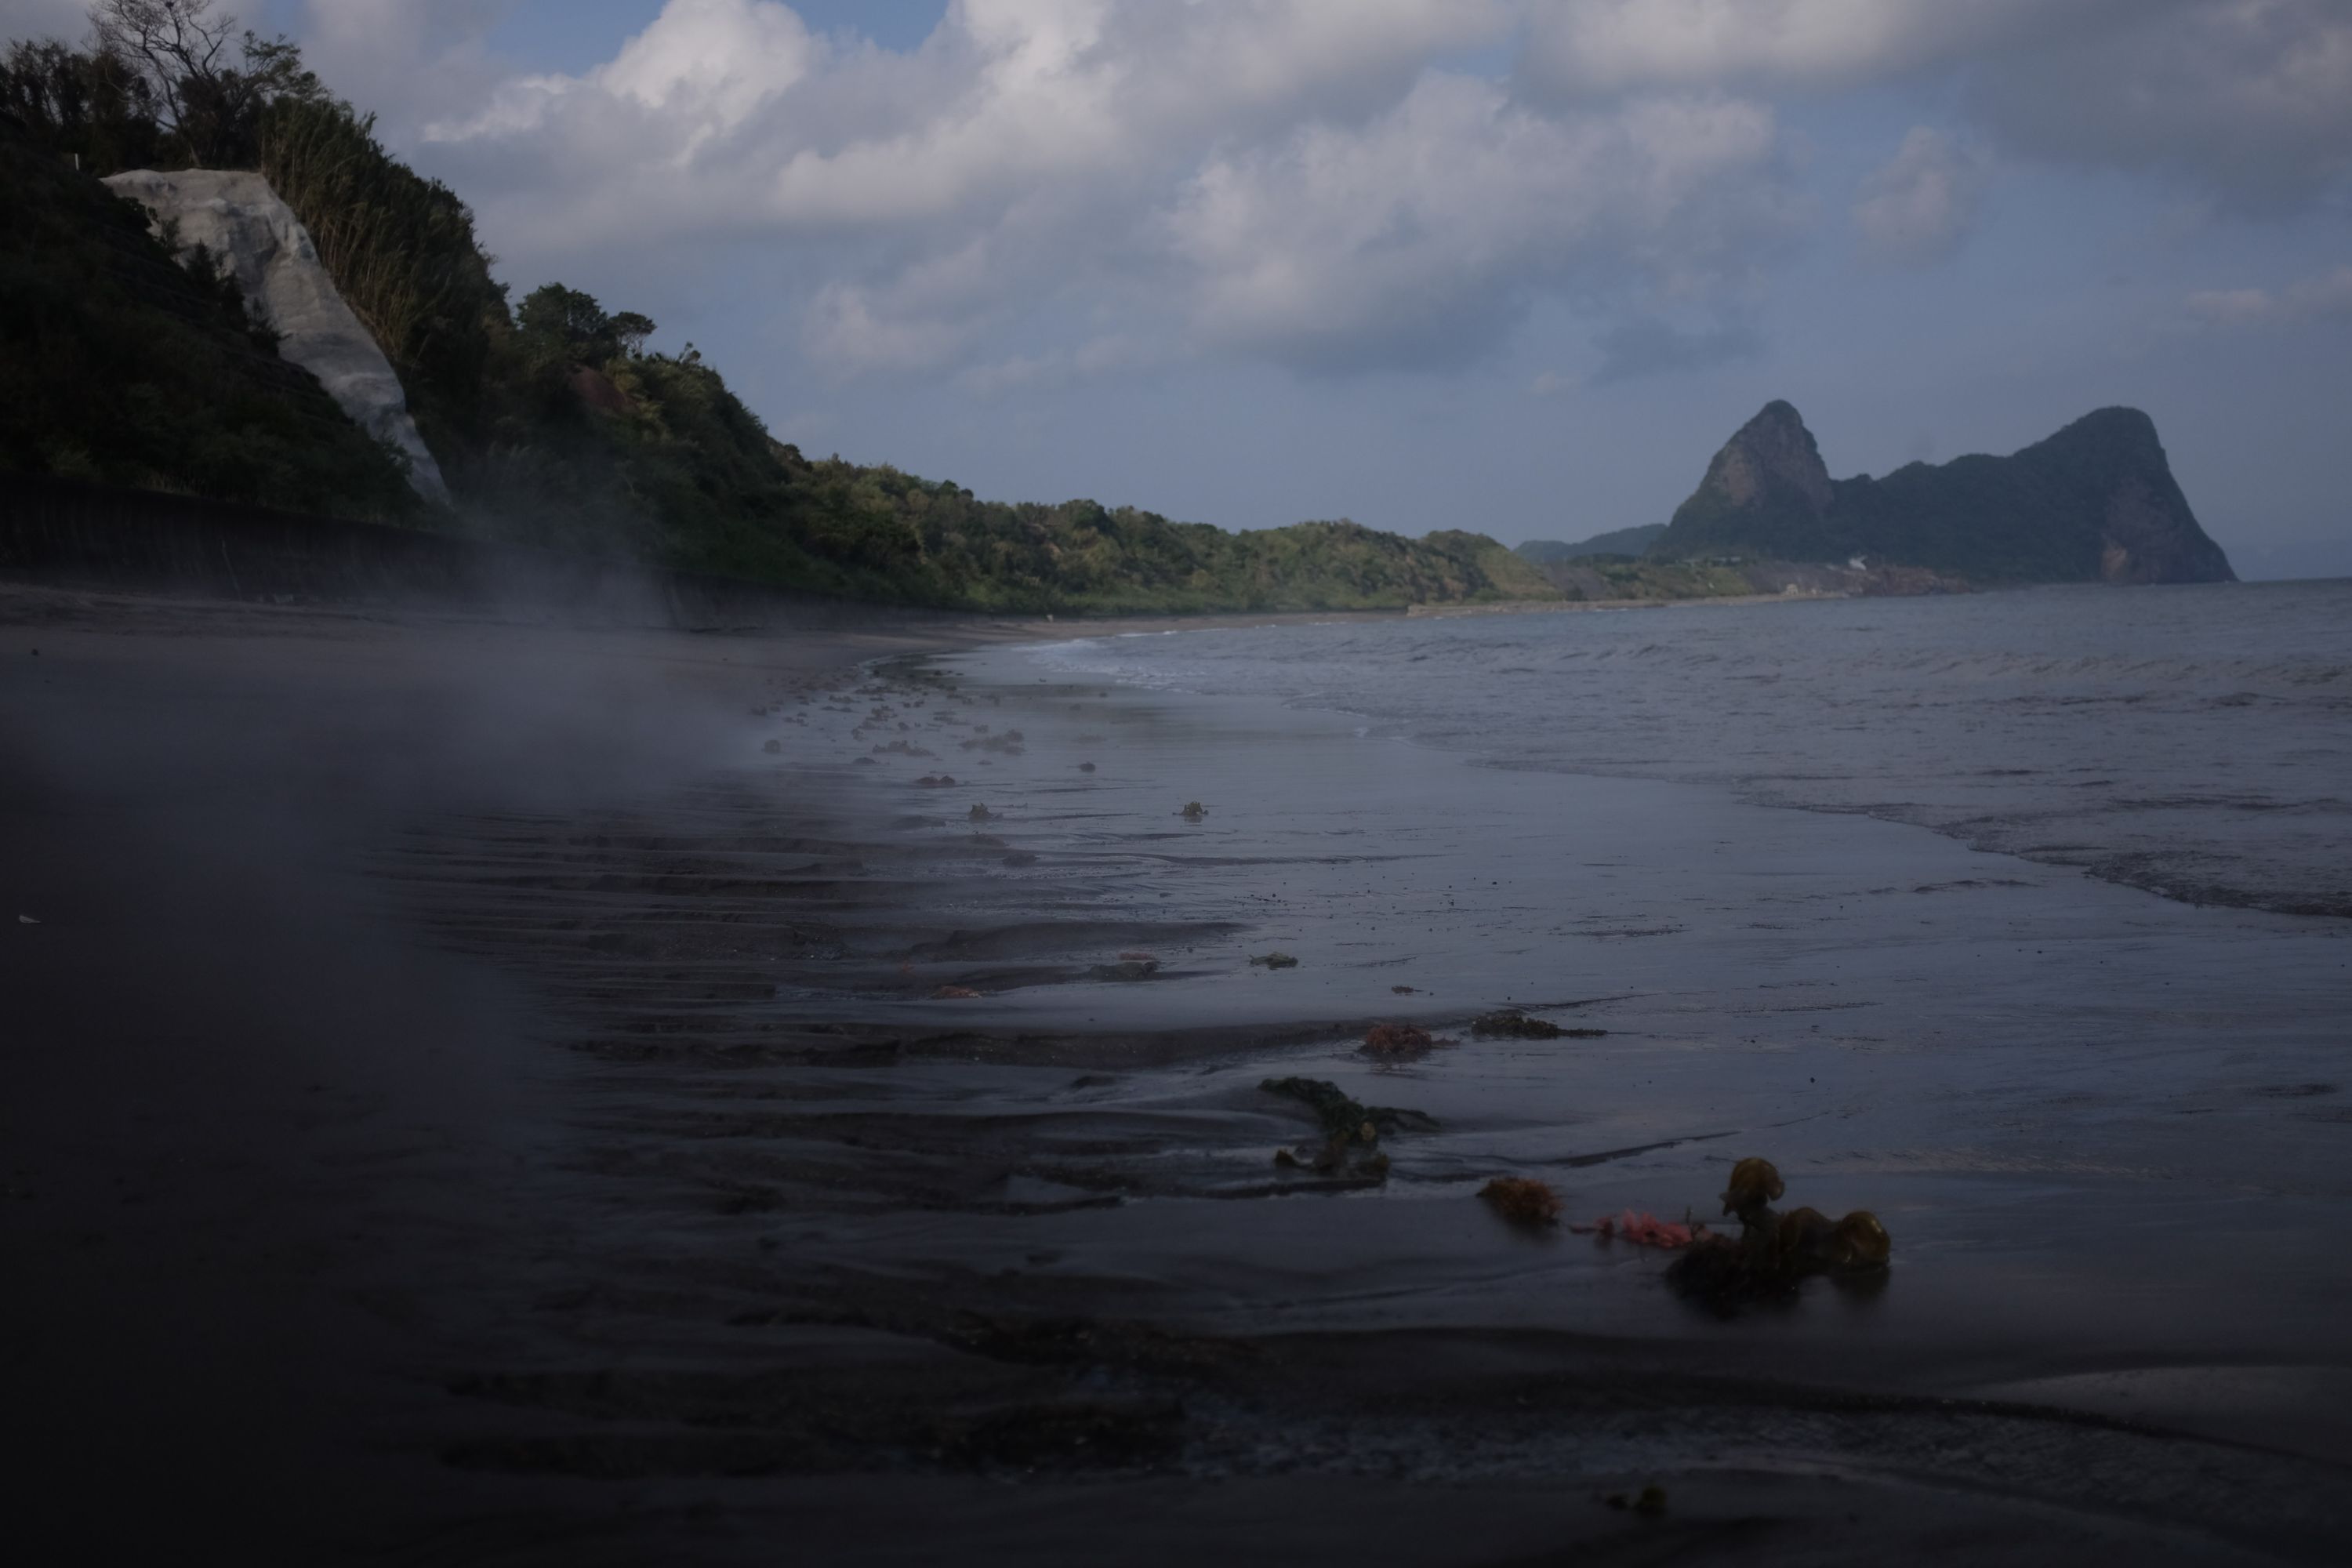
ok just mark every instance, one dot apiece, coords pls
pixel 1642 1229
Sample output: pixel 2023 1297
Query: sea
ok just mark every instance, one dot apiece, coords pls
pixel 2192 742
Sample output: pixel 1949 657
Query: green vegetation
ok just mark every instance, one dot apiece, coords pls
pixel 1608 578
pixel 165 84
pixel 550 422
pixel 401 249
pixel 122 364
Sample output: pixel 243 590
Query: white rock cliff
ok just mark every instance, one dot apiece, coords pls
pixel 239 219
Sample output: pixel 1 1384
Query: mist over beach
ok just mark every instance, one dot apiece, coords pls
pixel 1270 782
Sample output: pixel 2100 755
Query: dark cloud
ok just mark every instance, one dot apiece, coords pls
pixel 2249 101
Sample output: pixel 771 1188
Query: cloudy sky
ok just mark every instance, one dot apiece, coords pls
pixel 1511 265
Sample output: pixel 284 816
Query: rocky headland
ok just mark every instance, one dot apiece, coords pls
pixel 2096 502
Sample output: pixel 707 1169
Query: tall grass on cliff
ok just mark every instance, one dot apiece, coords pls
pixel 399 247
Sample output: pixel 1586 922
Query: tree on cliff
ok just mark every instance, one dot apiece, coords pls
pixel 211 80
pixel 91 107
pixel 165 84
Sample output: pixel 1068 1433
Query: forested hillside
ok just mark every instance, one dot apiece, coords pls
pixel 551 420
pixel 120 363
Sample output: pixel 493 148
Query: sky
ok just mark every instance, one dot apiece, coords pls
pixel 1515 266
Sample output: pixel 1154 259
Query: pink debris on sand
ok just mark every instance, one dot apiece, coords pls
pixel 1642 1229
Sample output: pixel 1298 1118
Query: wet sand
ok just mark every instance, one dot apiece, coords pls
pixel 471 1101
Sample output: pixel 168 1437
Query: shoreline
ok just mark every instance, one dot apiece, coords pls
pixel 705 1195
pixel 1539 606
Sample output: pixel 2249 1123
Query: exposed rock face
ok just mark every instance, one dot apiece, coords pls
pixel 2096 502
pixel 2147 534
pixel 1772 462
pixel 239 219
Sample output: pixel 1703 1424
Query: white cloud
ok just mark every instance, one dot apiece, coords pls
pixel 1289 177
pixel 1616 44
pixel 1919 207
pixel 715 60
pixel 66 21
pixel 2325 294
pixel 699 70
pixel 1308 180
pixel 1416 238
pixel 1005 94
pixel 403 60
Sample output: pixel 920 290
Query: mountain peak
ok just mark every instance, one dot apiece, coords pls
pixel 2118 429
pixel 2094 502
pixel 1772 462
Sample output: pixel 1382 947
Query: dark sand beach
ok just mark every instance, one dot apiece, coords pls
pixel 471 1100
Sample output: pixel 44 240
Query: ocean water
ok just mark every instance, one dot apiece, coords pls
pixel 2195 742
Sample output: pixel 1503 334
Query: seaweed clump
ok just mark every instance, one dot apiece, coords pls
pixel 1340 1113
pixel 1510 1024
pixel 1348 1125
pixel 1775 1253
